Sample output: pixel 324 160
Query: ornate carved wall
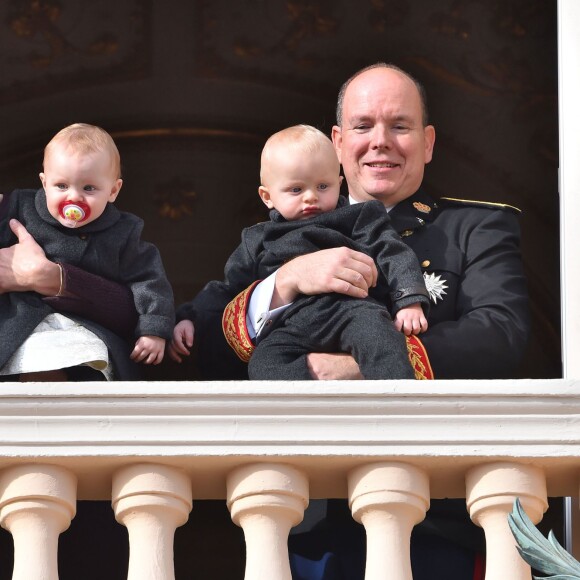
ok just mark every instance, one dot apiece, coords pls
pixel 191 89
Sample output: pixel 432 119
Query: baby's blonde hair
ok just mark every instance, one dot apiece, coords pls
pixel 83 138
pixel 304 138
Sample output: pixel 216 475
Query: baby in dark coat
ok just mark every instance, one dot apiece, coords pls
pixel 300 184
pixel 74 220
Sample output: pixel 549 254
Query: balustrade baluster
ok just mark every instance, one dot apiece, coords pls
pixel 37 503
pixel 151 501
pixel 388 499
pixel 266 500
pixel 491 491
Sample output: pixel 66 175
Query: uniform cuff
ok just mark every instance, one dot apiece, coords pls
pixel 234 324
pixel 419 359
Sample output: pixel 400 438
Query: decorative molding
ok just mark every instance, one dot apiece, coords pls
pixel 195 132
pixel 445 427
pixel 50 46
pixel 304 40
pixel 174 199
pixel 257 139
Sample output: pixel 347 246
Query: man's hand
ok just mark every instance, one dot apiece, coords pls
pixel 182 341
pixel 411 320
pixel 326 367
pixel 339 270
pixel 149 350
pixel 24 266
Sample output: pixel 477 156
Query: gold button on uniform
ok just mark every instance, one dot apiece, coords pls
pixel 425 263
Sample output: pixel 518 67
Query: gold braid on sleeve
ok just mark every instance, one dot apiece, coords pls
pixel 419 359
pixel 234 324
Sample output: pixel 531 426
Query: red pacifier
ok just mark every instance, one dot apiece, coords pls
pixel 73 213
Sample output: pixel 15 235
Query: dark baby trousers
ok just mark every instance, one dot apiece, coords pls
pixel 332 324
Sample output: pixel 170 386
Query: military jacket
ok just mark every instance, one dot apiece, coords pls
pixel 469 252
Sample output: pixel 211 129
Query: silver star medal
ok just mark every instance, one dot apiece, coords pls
pixel 435 286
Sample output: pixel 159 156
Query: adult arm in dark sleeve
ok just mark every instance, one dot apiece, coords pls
pixel 239 272
pixel 216 359
pixel 105 302
pixel 488 335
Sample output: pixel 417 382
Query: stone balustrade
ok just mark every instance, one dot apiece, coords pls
pixel 152 449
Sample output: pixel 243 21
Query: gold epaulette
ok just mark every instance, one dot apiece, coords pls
pixel 234 324
pixel 419 359
pixel 487 204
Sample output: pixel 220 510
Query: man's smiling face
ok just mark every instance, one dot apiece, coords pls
pixel 382 144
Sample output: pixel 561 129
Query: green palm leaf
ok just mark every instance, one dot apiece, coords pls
pixel 545 555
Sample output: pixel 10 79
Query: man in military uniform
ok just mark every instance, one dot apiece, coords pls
pixel 478 322
pixel 469 251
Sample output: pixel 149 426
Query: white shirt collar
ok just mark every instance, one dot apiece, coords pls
pixel 352 201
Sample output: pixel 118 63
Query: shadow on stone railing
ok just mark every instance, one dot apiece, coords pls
pixel 544 555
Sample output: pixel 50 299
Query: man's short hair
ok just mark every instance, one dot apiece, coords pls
pixel 420 89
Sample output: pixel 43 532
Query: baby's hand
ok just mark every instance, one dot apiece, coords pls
pixel 183 334
pixel 149 350
pixel 411 320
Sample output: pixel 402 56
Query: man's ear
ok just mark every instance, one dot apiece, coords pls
pixel 429 142
pixel 42 179
pixel 265 196
pixel 337 141
pixel 115 190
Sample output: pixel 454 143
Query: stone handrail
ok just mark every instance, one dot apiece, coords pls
pixel 267 448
